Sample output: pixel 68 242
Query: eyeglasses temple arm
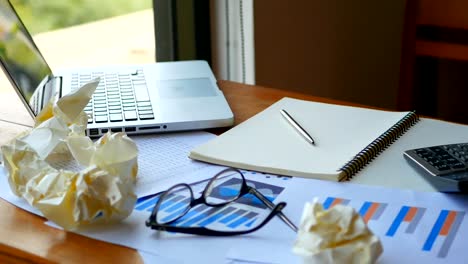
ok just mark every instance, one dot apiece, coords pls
pixel 270 205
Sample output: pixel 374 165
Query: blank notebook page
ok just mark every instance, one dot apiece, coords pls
pixel 268 143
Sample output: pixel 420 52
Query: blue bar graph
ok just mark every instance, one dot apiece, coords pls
pixel 173 205
pixel 232 216
pixel 445 228
pixel 435 230
pixel 398 220
pixel 407 214
pixel 332 201
pixel 217 216
pixel 243 213
pixel 200 216
pixel 190 216
pixel 147 204
pixel 242 220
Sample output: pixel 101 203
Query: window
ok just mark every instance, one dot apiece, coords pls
pixel 84 33
pixel 41 16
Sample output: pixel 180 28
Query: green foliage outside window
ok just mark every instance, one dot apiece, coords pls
pixel 46 15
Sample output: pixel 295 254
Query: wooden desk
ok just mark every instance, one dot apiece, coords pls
pixel 25 238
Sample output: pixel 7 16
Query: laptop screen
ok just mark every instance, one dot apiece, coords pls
pixel 19 56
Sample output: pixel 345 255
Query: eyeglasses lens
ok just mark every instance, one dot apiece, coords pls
pixel 242 214
pixel 224 188
pixel 173 204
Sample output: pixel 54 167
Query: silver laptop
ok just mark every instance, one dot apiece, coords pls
pixel 158 97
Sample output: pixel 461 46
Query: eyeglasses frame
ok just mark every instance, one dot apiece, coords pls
pixel 245 189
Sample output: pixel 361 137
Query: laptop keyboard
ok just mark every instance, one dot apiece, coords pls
pixel 35 102
pixel 118 97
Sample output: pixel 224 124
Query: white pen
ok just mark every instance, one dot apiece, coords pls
pixel 297 127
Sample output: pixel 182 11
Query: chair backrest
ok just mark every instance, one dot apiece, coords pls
pixel 432 28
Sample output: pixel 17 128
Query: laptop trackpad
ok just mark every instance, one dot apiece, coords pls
pixel 199 87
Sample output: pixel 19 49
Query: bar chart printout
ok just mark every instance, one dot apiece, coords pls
pixel 242 214
pixel 438 238
pixel 413 227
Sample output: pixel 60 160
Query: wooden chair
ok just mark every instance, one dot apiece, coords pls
pixel 432 28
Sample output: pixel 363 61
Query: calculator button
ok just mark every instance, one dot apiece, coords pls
pixel 437 149
pixel 445 156
pixel 437 163
pixel 431 159
pixel 443 167
pixel 451 161
pixel 425 156
pixel 421 151
pixel 458 165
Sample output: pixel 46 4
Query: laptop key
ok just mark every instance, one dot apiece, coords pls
pixel 126 105
pixel 141 93
pixel 100 118
pixel 90 118
pixel 115 117
pixel 130 115
pixel 145 103
pixel 145 107
pixel 116 111
pixel 145 112
pixel 146 116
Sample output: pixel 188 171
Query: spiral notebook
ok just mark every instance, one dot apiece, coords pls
pixel 346 139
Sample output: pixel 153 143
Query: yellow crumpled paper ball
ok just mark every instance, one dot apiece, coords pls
pixel 102 190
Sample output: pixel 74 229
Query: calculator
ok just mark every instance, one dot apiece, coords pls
pixel 444 166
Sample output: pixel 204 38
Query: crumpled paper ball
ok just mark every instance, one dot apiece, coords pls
pixel 101 189
pixel 337 235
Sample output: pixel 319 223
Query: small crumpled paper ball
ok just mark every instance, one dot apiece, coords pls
pixel 337 235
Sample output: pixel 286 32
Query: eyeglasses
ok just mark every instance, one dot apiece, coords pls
pixel 177 210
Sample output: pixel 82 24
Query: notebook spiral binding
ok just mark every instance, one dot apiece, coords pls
pixel 378 145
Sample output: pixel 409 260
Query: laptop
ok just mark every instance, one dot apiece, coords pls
pixel 136 99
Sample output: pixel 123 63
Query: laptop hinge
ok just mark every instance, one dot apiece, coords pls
pixel 52 89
